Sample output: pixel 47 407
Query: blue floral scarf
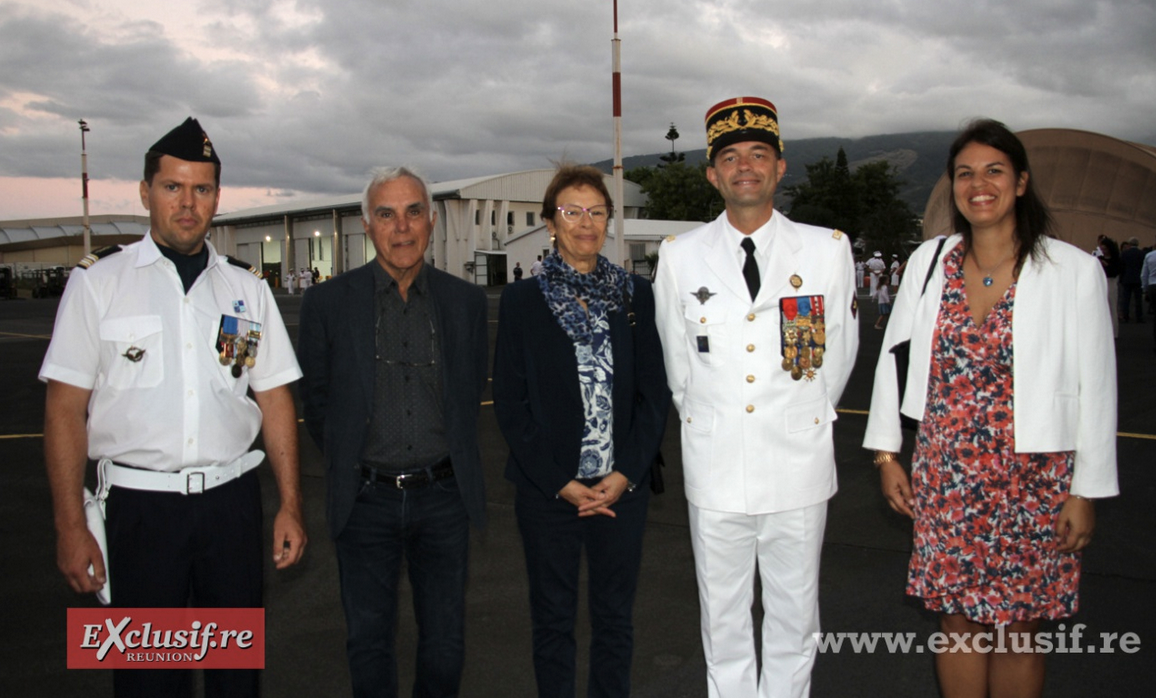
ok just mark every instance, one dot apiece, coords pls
pixel 603 289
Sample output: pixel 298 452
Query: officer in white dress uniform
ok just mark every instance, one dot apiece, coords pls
pixel 155 348
pixel 758 345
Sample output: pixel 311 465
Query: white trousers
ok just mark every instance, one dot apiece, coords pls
pixel 784 548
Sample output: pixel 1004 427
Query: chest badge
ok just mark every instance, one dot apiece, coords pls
pixel 703 295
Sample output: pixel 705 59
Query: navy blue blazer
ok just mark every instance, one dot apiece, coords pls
pixel 538 402
pixel 335 347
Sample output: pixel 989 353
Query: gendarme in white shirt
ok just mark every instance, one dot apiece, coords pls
pixel 177 406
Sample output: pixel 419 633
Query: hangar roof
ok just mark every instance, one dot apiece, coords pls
pixel 44 229
pixel 1093 184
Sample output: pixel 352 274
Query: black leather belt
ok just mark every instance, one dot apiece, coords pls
pixel 414 479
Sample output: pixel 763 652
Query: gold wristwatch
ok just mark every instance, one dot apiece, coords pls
pixel 882 457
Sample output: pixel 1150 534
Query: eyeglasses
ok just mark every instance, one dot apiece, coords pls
pixel 433 349
pixel 598 214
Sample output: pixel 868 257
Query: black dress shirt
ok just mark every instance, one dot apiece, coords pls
pixel 407 430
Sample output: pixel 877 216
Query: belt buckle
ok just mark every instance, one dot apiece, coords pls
pixel 195 483
pixel 399 480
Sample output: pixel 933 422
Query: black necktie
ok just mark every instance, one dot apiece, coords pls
pixel 751 267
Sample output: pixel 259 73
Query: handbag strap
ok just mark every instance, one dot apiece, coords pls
pixel 931 267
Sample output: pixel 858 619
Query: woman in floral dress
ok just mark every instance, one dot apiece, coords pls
pixel 583 420
pixel 1012 374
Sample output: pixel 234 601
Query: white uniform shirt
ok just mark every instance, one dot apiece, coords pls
pixel 1148 271
pixel 754 440
pixel 177 406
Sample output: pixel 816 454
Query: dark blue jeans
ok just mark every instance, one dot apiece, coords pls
pixel 554 538
pixel 429 529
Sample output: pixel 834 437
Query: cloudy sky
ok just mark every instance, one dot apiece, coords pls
pixel 303 97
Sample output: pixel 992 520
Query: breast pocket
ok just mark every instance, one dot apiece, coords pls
pixel 707 333
pixel 132 351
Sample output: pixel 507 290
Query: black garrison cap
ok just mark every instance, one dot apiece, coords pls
pixel 187 142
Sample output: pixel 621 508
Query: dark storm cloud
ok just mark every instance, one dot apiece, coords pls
pixel 308 95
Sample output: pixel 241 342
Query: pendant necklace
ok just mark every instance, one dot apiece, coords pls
pixel 987 280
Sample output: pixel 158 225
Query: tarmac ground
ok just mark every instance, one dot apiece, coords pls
pixel 861 584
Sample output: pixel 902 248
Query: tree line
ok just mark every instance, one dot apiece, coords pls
pixel 865 203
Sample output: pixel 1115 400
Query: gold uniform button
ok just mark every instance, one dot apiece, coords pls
pixel 689 420
pixel 750 379
pixel 816 420
pixel 750 347
pixel 750 408
pixel 702 320
pixel 751 317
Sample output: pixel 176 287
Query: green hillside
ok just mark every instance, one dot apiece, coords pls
pixel 919 158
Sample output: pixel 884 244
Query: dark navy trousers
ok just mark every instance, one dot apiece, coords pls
pixel 555 539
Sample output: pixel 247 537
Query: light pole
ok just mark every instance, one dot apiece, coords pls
pixel 84 185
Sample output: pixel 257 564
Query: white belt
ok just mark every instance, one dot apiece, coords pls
pixel 187 481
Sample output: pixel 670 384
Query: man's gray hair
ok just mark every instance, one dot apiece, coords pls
pixel 382 175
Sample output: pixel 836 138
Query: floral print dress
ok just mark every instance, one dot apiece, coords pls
pixel 985 543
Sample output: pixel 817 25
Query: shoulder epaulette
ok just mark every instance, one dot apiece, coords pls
pixel 95 256
pixel 244 265
pixel 838 234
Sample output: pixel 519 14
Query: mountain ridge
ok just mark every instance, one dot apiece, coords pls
pixel 919 158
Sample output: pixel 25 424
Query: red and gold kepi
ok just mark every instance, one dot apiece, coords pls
pixel 742 119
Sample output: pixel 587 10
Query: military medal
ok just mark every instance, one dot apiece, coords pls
pixel 237 343
pixel 254 339
pixel 788 313
pixel 802 320
pixel 238 356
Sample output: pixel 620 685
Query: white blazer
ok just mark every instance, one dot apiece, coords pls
pixel 1064 370
pixel 754 441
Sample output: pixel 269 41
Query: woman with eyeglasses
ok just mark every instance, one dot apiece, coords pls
pixel 580 395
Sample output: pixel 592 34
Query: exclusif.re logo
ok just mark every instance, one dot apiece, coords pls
pixel 166 638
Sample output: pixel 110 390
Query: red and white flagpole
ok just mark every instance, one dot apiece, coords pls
pixel 619 223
